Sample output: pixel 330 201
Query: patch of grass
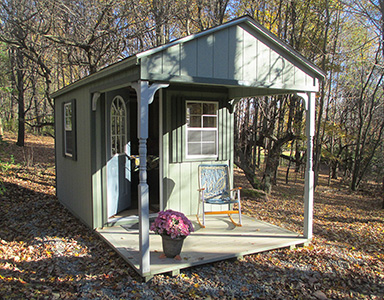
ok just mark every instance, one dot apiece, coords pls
pixel 251 193
pixel 6 165
pixel 256 182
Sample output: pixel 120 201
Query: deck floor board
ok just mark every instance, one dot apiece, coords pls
pixel 220 240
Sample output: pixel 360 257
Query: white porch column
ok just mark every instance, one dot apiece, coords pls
pixel 310 102
pixel 145 93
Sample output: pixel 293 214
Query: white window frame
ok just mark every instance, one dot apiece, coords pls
pixel 68 127
pixel 122 134
pixel 202 128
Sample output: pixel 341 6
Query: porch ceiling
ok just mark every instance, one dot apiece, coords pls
pixel 220 240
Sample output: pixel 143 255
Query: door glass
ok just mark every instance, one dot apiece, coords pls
pixel 118 126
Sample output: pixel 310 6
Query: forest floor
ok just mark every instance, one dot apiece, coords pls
pixel 46 253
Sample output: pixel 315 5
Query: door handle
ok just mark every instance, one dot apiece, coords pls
pixel 135 158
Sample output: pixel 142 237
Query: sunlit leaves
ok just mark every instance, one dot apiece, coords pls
pixel 46 253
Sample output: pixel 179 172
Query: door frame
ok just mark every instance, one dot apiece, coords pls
pixel 117 154
pixel 99 177
pixel 124 93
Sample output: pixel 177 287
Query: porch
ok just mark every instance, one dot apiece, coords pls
pixel 220 240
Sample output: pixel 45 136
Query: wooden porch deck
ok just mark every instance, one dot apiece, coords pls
pixel 220 240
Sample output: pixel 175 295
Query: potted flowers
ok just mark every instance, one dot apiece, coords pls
pixel 173 227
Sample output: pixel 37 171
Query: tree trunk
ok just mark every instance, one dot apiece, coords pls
pixel 318 136
pixel 383 194
pixel 1 129
pixel 289 165
pixel 270 169
pixel 256 150
pixel 20 97
pixel 272 162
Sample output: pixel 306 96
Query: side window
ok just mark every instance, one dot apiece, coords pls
pixel 69 133
pixel 202 133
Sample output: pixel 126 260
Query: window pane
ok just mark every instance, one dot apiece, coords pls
pixel 209 122
pixel 68 142
pixel 194 149
pixel 68 116
pixel 209 136
pixel 113 145
pixel 209 109
pixel 118 125
pixel 194 108
pixel 68 123
pixel 194 136
pixel 123 125
pixel 113 124
pixel 209 148
pixel 195 121
pixel 117 144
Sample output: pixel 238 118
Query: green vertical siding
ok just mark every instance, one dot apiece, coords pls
pixel 175 109
pixel 236 55
pixel 221 57
pixel 81 183
pixel 180 175
pixel 74 176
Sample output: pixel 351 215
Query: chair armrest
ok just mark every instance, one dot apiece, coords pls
pixel 235 189
pixel 202 189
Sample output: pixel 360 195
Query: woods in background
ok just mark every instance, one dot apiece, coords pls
pixel 48 44
pixel 345 40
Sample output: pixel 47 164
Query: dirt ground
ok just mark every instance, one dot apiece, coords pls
pixel 46 253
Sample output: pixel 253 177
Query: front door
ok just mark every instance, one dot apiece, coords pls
pixel 118 152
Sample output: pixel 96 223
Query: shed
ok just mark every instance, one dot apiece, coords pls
pixel 130 137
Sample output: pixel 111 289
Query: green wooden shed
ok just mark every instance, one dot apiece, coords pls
pixel 130 137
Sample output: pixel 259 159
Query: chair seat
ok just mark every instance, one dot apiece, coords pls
pixel 220 201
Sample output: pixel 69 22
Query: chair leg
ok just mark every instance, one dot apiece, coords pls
pixel 239 211
pixel 233 221
pixel 202 203
pixel 238 199
pixel 240 221
pixel 202 224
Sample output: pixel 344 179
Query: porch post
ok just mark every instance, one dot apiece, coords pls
pixel 310 101
pixel 145 93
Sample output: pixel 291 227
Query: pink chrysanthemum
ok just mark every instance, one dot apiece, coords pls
pixel 172 223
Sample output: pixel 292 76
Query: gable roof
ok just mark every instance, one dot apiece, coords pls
pixel 241 55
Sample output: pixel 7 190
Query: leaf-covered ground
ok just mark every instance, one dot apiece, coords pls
pixel 46 253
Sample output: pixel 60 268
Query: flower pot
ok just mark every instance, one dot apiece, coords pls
pixel 172 247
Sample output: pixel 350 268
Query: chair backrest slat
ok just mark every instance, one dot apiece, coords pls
pixel 215 180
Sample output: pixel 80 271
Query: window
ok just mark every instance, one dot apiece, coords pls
pixel 118 126
pixel 70 129
pixel 201 129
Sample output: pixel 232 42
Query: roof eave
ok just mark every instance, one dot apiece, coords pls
pixel 112 69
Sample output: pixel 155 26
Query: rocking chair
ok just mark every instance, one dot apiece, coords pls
pixel 214 189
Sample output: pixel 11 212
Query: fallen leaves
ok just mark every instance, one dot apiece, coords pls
pixel 45 253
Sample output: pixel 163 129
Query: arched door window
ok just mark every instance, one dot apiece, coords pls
pixel 118 126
